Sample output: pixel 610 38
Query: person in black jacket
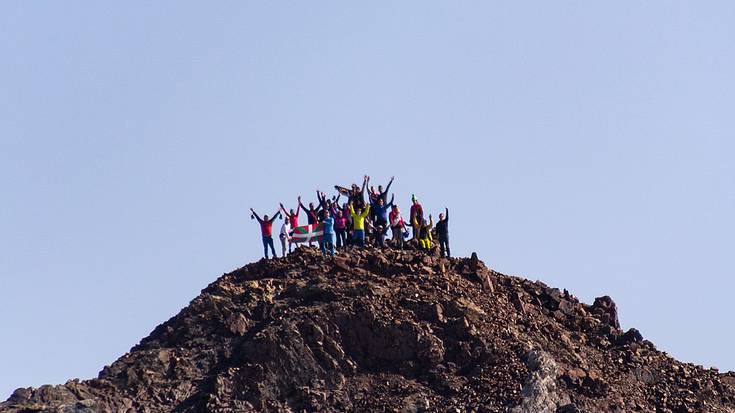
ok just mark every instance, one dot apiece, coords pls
pixel 442 232
pixel 312 214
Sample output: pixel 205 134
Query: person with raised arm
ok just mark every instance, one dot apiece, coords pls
pixel 424 232
pixel 358 224
pixel 380 218
pixel 266 230
pixel 293 216
pixel 312 214
pixel 357 195
pixel 327 204
pixel 384 194
pixel 442 232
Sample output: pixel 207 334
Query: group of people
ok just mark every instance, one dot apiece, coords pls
pixel 358 222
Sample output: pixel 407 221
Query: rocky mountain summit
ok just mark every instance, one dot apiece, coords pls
pixel 383 330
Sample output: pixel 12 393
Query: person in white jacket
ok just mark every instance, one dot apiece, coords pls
pixel 285 237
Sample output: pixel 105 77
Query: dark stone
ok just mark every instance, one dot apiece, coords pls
pixel 605 308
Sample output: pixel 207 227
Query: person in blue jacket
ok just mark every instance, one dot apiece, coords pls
pixel 380 223
pixel 328 234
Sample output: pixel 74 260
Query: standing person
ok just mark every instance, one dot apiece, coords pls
pixel 397 225
pixel 266 229
pixel 357 195
pixel 384 194
pixel 380 219
pixel 358 224
pixel 293 216
pixel 425 233
pixel 349 228
pixel 340 228
pixel 327 204
pixel 285 237
pixel 416 216
pixel 328 234
pixel 312 214
pixel 442 232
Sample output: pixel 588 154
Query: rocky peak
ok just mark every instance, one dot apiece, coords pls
pixel 384 330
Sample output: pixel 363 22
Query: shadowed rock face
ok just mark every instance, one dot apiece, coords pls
pixel 387 331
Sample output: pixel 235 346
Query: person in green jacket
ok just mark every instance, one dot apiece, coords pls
pixel 358 224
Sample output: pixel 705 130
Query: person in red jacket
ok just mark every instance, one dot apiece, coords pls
pixel 266 230
pixel 293 216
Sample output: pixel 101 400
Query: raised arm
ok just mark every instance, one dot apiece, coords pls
pixel 284 210
pixel 392 198
pixel 446 214
pixel 255 214
pixel 275 216
pixel 387 188
pixel 303 207
pixel 298 208
pixel 431 221
pixel 364 184
pixel 320 198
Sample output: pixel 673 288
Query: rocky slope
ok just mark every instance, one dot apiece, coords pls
pixel 388 331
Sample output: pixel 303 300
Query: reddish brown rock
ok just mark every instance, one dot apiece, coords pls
pixel 376 330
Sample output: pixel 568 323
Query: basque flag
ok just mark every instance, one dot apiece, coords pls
pixel 306 233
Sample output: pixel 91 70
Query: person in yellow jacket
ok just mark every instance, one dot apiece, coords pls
pixel 425 237
pixel 358 224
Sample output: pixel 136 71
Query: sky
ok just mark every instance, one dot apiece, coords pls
pixel 588 145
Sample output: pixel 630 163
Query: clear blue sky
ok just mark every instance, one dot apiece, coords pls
pixel 586 144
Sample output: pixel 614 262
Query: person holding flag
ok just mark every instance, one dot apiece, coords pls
pixel 312 214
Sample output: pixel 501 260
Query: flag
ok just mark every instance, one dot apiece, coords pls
pixel 306 233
